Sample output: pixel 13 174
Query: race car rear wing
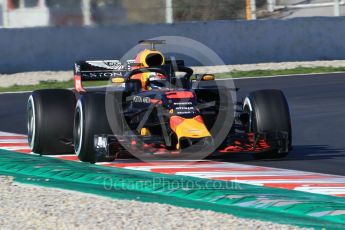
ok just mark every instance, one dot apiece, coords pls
pixel 104 70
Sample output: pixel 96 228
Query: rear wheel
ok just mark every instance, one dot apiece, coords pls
pixel 90 119
pixel 269 113
pixel 50 121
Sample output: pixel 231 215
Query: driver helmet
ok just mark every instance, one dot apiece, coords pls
pixel 156 81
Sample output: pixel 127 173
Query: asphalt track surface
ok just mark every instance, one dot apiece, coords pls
pixel 317 106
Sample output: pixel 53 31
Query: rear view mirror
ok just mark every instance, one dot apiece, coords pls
pixel 208 77
pixel 117 80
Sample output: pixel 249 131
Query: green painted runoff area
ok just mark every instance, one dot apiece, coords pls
pixel 242 200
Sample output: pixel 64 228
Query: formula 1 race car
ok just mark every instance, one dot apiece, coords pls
pixel 155 106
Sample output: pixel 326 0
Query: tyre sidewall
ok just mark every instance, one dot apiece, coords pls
pixel 93 121
pixel 269 112
pixel 53 120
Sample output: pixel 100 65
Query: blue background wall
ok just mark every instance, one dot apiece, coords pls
pixel 236 42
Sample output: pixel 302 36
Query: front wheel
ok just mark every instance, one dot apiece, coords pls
pixel 90 119
pixel 269 114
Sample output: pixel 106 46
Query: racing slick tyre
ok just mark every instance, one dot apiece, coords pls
pixel 269 113
pixel 90 119
pixel 50 121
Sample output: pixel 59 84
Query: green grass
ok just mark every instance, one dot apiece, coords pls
pixel 233 74
pixel 297 70
pixel 49 85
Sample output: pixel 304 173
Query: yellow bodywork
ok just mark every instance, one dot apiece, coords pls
pixel 142 58
pixel 143 55
pixel 145 132
pixel 191 128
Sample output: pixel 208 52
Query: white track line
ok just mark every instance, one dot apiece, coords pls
pixel 10 134
pixel 13 141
